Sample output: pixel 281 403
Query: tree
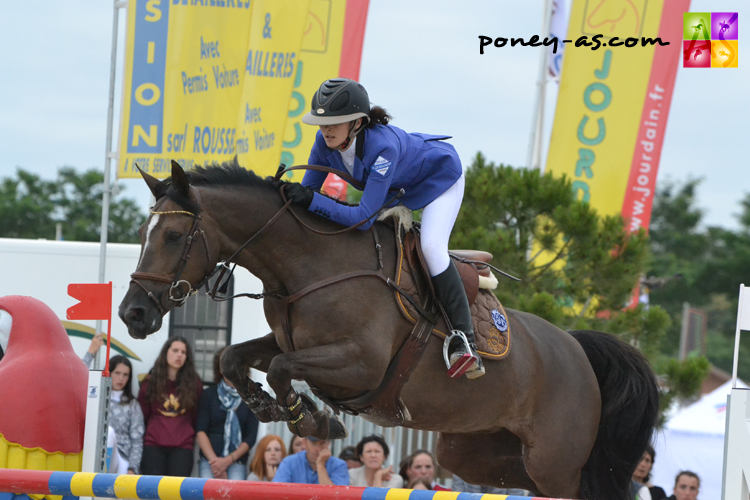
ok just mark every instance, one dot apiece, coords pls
pixel 81 204
pixel 713 261
pixel 27 206
pixel 563 251
pixel 31 208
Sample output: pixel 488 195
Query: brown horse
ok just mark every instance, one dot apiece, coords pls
pixel 565 415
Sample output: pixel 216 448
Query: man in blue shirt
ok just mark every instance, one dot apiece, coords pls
pixel 314 465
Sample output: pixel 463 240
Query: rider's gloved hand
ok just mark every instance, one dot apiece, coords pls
pixel 299 194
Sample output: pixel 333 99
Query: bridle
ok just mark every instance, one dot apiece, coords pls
pixel 195 231
pixel 174 281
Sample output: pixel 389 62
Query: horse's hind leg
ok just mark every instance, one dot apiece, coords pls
pixel 235 366
pixel 487 459
pixel 337 364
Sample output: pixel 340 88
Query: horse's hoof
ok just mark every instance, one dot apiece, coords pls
pixel 336 427
pixel 328 426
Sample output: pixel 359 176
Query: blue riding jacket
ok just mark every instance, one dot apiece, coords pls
pixel 388 158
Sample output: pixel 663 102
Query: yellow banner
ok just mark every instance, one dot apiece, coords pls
pixel 319 60
pixel 187 66
pixel 275 38
pixel 601 98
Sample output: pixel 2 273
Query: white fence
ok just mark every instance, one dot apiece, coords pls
pixel 737 435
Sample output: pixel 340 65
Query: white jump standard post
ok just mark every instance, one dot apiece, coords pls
pixel 737 435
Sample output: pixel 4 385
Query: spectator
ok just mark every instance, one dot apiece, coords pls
pixel 349 455
pixel 169 399
pixel 268 455
pixel 226 430
pixel 642 475
pixel 296 444
pixel 419 483
pixel 372 452
pixel 420 464
pixel 464 487
pixel 125 416
pixel 639 491
pixel 96 343
pixel 686 486
pixel 313 465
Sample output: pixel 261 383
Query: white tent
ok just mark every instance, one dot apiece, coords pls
pixel 693 439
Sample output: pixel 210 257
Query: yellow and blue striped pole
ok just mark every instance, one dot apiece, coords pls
pixel 71 485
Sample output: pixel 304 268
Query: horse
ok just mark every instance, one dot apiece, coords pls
pixel 565 414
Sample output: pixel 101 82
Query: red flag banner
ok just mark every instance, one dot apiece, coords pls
pixel 95 301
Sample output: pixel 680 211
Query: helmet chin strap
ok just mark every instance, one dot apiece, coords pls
pixel 352 134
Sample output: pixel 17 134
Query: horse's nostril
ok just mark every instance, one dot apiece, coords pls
pixel 135 315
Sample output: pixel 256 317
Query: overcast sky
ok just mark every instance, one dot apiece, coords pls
pixel 420 61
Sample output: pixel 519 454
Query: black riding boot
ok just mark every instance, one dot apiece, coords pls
pixel 451 294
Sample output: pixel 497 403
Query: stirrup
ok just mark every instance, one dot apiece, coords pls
pixel 467 361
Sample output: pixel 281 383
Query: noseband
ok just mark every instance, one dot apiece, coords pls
pixel 174 281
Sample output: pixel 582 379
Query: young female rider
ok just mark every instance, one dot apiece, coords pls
pixel 358 139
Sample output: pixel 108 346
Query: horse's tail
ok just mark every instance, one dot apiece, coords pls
pixel 630 407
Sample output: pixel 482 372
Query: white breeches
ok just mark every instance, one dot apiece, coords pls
pixel 437 223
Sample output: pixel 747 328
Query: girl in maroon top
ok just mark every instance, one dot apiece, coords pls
pixel 169 398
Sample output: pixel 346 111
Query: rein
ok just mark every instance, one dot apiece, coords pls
pixel 348 178
pixel 195 231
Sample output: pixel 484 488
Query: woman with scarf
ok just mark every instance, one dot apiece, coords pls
pixel 227 429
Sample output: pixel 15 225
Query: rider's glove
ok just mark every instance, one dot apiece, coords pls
pixel 299 194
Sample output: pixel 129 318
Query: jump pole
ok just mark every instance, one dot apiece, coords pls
pixel 87 484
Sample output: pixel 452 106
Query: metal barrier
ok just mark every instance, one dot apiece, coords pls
pixel 72 485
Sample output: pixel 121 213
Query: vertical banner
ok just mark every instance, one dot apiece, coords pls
pixel 183 81
pixel 614 101
pixel 275 37
pixel 331 47
pixel 207 80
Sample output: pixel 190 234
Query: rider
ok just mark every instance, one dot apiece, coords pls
pixel 358 139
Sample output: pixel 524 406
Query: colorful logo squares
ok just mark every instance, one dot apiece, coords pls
pixel 710 39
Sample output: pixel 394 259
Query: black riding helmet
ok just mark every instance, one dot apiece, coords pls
pixel 339 100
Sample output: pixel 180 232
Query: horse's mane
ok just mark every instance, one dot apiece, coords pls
pixel 228 173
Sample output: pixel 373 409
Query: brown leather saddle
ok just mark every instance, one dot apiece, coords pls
pixel 489 317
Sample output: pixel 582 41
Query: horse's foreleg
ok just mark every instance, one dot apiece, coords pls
pixel 337 364
pixel 235 366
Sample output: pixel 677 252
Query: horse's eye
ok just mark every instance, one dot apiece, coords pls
pixel 173 235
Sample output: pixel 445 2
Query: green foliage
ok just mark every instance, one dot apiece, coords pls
pixel 684 380
pixel 31 207
pixel 27 206
pixel 580 257
pixel 712 262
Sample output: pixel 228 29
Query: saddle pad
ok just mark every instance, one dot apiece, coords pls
pixel 488 316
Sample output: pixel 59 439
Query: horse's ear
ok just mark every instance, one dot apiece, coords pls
pixel 179 179
pixel 156 186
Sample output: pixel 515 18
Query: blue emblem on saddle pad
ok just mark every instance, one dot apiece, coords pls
pixel 499 319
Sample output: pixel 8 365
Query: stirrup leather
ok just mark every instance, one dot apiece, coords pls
pixel 463 364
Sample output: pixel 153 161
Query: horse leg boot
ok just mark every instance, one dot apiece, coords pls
pixel 304 419
pixel 451 294
pixel 234 366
